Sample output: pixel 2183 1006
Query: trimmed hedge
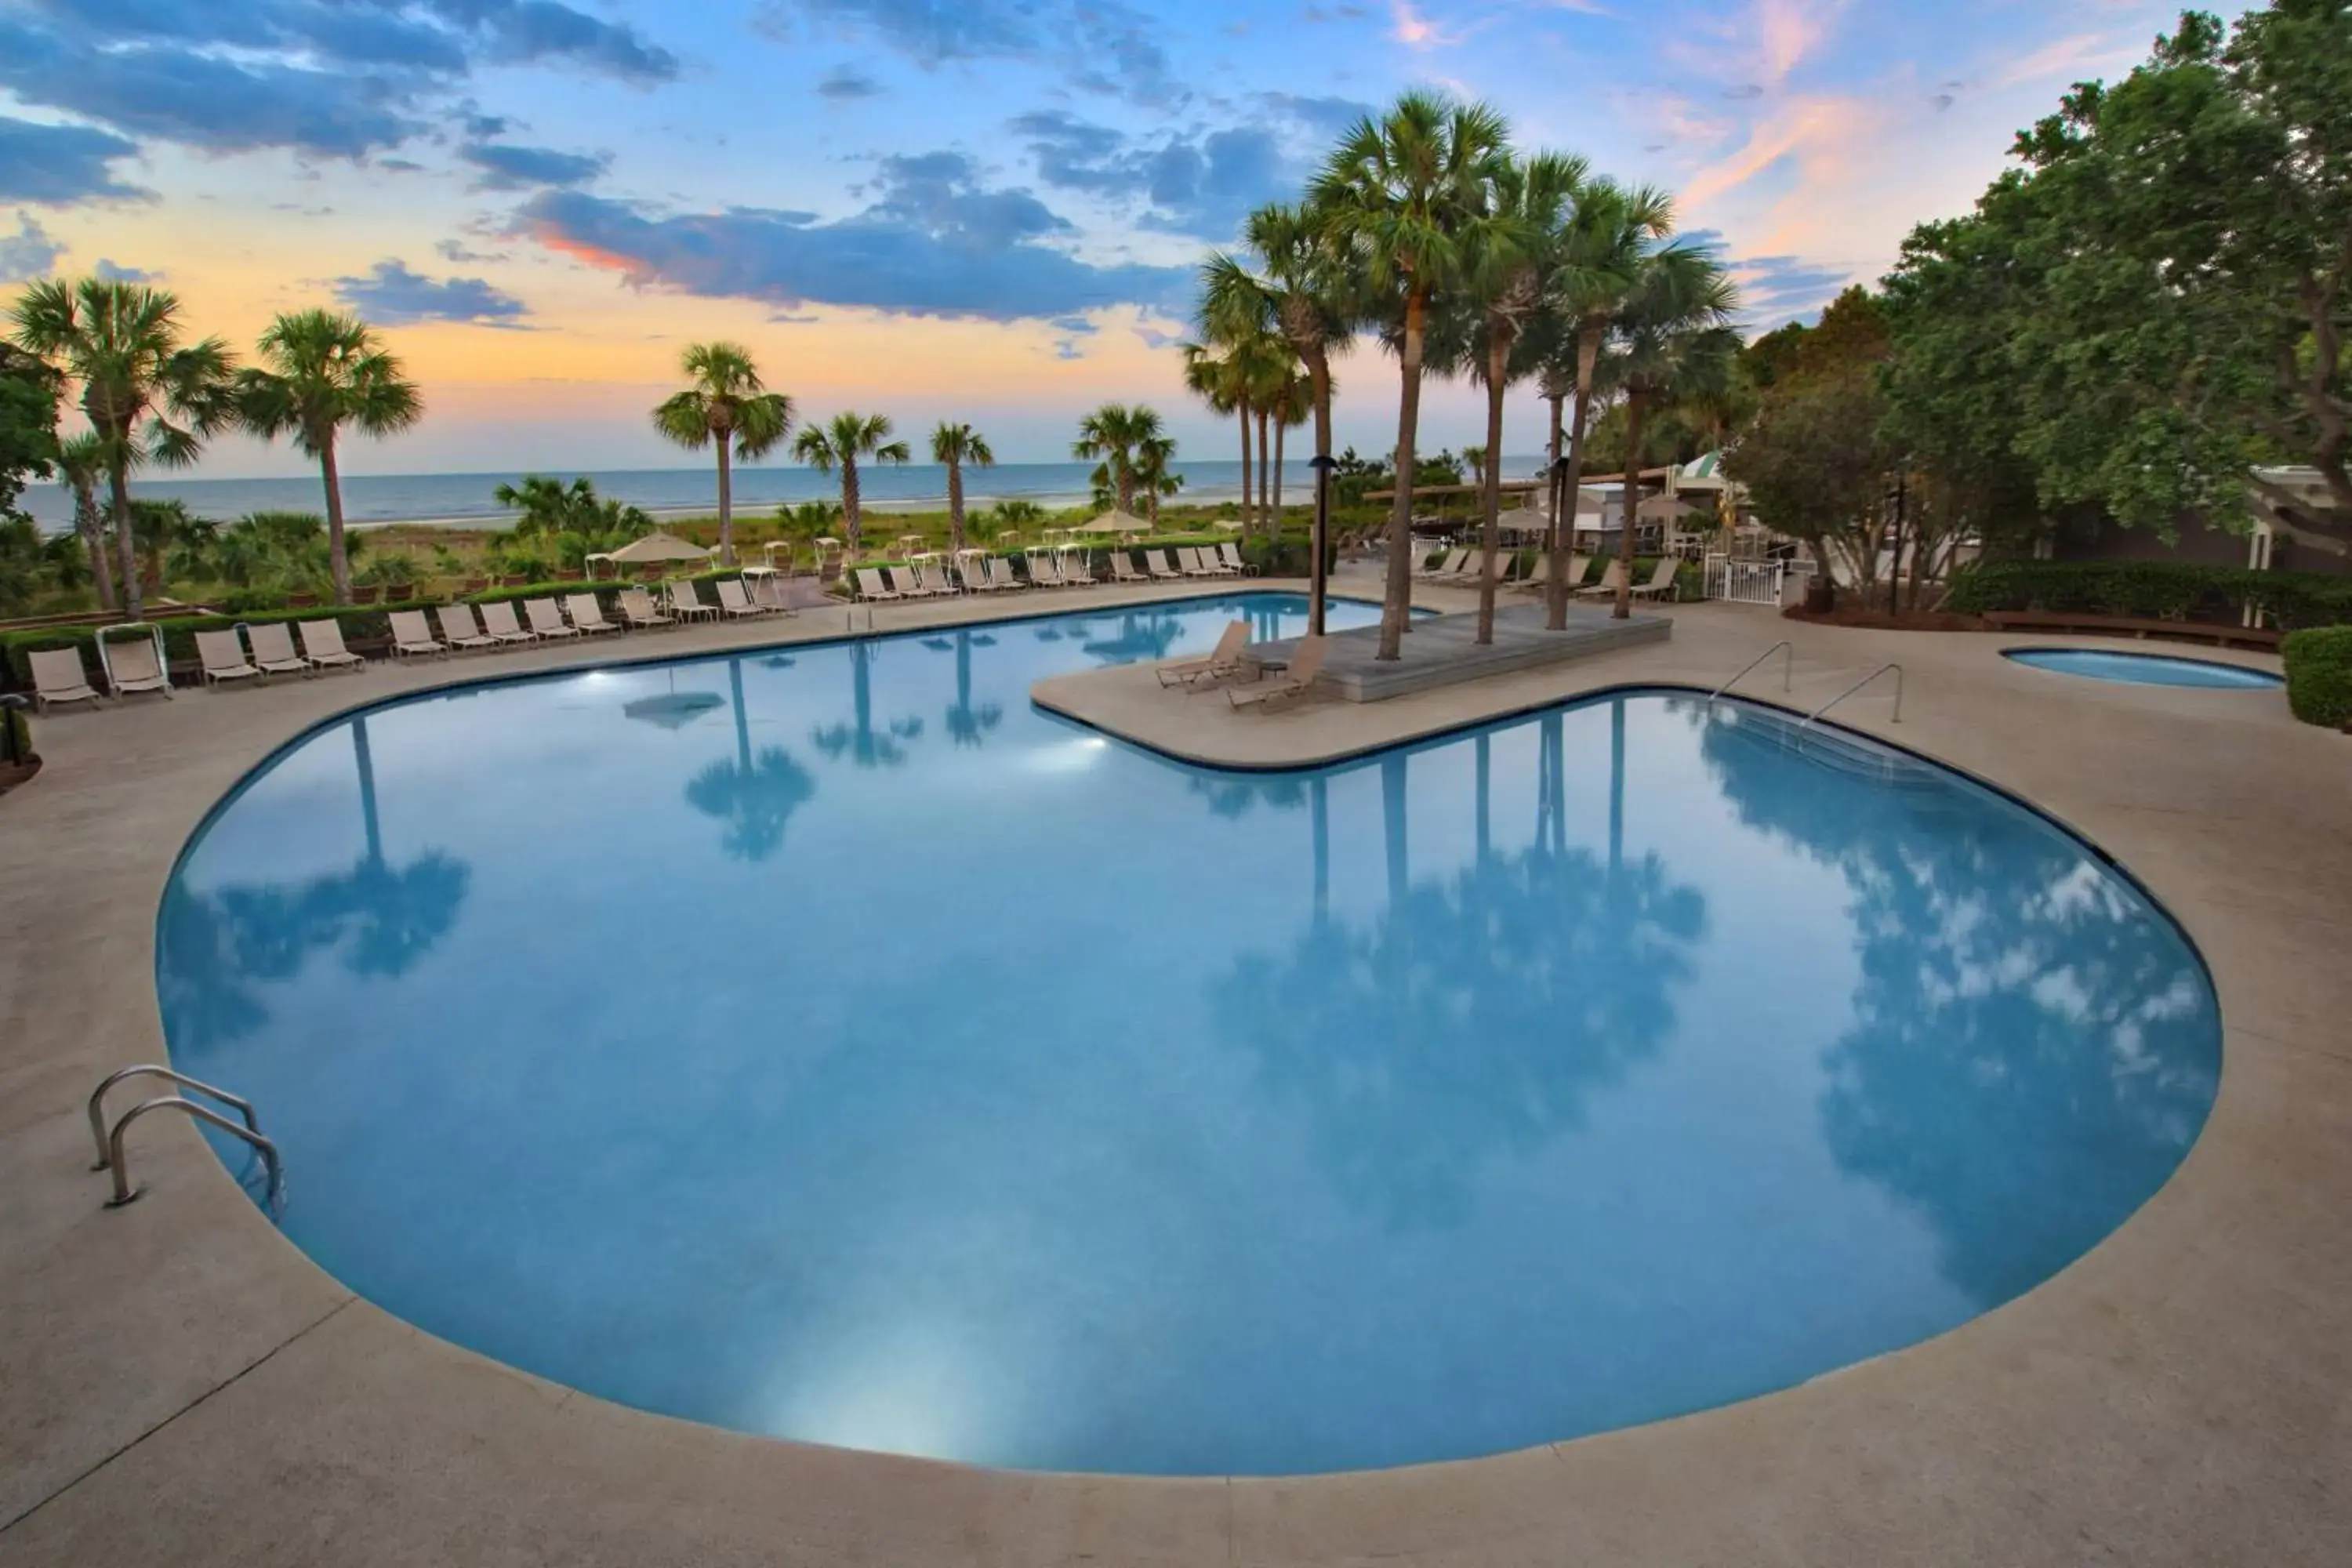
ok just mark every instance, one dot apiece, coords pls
pixel 2153 589
pixel 16 736
pixel 2319 675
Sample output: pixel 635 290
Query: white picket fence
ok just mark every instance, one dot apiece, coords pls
pixel 1752 582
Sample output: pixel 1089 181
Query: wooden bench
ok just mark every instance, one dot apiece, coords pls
pixel 2126 625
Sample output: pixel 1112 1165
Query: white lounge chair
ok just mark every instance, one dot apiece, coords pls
pixel 1539 575
pixel 638 608
pixel 587 613
pixel 460 629
pixel 872 585
pixel 547 619
pixel 498 620
pixel 912 581
pixel 1077 569
pixel 1000 572
pixel 59 676
pixel 1662 581
pixel 1234 565
pixel 686 606
pixel 1448 565
pixel 1607 586
pixel 1229 657
pixel 223 657
pixel 733 602
pixel 411 638
pixel 273 649
pixel 1195 564
pixel 323 645
pixel 133 666
pixel 1043 573
pixel 1297 680
pixel 1161 564
pixel 1122 568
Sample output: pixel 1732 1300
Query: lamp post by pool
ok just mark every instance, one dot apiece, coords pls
pixel 1555 592
pixel 1318 573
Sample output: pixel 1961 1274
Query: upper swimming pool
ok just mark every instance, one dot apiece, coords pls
pixel 2144 668
pixel 825 1042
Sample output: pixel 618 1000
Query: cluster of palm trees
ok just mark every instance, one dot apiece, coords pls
pixel 1425 228
pixel 153 396
pixel 1134 454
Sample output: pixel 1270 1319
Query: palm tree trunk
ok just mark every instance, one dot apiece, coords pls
pixel 1588 358
pixel 1396 604
pixel 1318 371
pixel 1490 480
pixel 339 560
pixel 726 503
pixel 93 540
pixel 1624 604
pixel 955 503
pixel 1265 516
pixel 119 483
pixel 853 519
pixel 1551 486
pixel 1247 511
pixel 1278 443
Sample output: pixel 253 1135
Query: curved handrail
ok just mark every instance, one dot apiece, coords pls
pixel 97 1111
pixel 1788 668
pixel 124 1192
pixel 1857 685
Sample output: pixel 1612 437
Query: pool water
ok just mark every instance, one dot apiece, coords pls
pixel 2144 668
pixel 826 1042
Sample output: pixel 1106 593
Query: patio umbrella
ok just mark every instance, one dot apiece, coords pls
pixel 1664 508
pixel 1115 522
pixel 657 546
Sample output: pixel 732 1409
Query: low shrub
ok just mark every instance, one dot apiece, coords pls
pixel 2319 675
pixel 2153 589
pixel 15 737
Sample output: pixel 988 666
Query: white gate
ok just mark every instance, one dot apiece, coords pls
pixel 1750 582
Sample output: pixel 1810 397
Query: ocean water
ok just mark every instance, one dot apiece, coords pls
pixel 823 1041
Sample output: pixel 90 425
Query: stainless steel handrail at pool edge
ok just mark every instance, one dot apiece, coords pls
pixel 1788 668
pixel 124 1192
pixel 1857 685
pixel 149 1069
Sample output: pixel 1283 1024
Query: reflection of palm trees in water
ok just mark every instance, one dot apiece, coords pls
pixel 1143 635
pixel 215 947
pixel 1232 795
pixel 966 723
pixel 860 742
pixel 1476 1014
pixel 2025 1028
pixel 756 796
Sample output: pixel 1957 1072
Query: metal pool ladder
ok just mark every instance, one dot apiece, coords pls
pixel 1787 666
pixel 110 1141
pixel 1857 685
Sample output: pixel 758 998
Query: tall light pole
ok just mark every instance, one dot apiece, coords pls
pixel 1318 573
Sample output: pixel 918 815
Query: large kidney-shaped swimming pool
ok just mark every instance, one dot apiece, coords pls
pixel 826 1042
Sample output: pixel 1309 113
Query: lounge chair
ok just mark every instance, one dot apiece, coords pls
pixel 1000 572
pixel 1539 575
pixel 411 638
pixel 323 645
pixel 1234 565
pixel 638 608
pixel 133 666
pixel 972 573
pixel 498 620
pixel 1229 657
pixel 273 649
pixel 1296 682
pixel 1161 564
pixel 688 605
pixel 1122 568
pixel 1449 566
pixel 1194 564
pixel 1043 573
pixel 871 584
pixel 1077 569
pixel 459 629
pixel 587 613
pixel 1662 581
pixel 913 582
pixel 547 619
pixel 223 657
pixel 734 603
pixel 1607 586
pixel 59 675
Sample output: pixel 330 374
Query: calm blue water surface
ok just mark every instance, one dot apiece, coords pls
pixel 827 1043
pixel 2144 668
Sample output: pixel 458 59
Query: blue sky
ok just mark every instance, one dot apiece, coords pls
pixel 988 210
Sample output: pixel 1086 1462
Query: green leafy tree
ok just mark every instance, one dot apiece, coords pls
pixel 29 395
pixel 1397 195
pixel 1114 433
pixel 1221 380
pixel 839 446
pixel 728 407
pixel 956 445
pixel 323 372
pixel 150 395
pixel 1155 472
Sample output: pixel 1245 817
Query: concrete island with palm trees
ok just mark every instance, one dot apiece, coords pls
pixel 1759 988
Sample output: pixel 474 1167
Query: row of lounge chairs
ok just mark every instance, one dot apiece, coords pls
pixel 1230 665
pixel 1463 568
pixel 978 574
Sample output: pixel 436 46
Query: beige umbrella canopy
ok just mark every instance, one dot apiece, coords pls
pixel 1664 509
pixel 657 546
pixel 1115 522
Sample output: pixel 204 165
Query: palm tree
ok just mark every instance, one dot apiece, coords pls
pixel 150 395
pixel 81 463
pixel 320 371
pixel 1672 339
pixel 1598 255
pixel 1398 193
pixel 547 505
pixel 1306 287
pixel 1511 255
pixel 1113 432
pixel 726 406
pixel 956 445
pixel 1292 402
pixel 1154 461
pixel 839 446
pixel 1217 380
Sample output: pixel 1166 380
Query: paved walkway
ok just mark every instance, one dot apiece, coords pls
pixel 179 1385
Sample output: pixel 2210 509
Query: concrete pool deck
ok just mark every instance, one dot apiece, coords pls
pixel 179 1384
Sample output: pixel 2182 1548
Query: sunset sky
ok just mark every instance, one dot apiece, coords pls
pixel 988 209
